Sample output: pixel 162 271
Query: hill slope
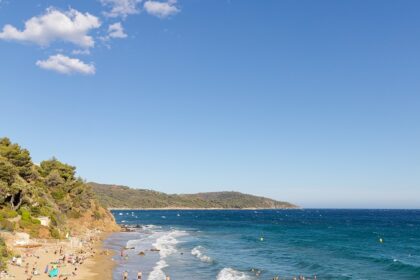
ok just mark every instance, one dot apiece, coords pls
pixel 114 196
pixel 50 192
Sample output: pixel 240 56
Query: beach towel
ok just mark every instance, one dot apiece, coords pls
pixel 53 273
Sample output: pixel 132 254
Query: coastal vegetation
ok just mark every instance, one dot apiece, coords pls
pixel 44 200
pixel 4 254
pixel 113 196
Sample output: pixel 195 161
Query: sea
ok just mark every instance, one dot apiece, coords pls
pixel 263 244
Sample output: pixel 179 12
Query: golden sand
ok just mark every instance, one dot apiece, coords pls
pixel 96 263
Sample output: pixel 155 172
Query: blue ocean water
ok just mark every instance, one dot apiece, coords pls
pixel 225 245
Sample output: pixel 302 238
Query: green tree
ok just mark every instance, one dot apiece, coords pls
pixel 17 156
pixel 67 172
pixel 54 179
pixel 8 172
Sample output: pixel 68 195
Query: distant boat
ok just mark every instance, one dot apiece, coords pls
pixel 178 215
pixel 120 214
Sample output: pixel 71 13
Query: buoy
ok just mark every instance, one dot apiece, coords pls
pixel 261 238
pixel 381 240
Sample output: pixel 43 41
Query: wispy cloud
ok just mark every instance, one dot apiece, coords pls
pixel 81 52
pixel 116 30
pixel 66 65
pixel 121 8
pixel 71 26
pixel 161 9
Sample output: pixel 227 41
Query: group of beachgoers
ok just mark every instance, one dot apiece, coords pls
pixel 53 268
pixel 63 260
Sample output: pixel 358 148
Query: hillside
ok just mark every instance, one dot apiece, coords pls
pixel 45 200
pixel 114 196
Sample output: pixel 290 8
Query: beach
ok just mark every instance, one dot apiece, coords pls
pixel 78 258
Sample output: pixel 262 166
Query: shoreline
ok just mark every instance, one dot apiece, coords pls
pixel 101 266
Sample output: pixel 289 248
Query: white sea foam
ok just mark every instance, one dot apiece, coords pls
pixel 157 272
pixel 231 274
pixel 166 244
pixel 197 252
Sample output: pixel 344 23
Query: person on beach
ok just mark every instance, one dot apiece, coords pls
pixel 139 275
pixel 168 278
pixel 125 275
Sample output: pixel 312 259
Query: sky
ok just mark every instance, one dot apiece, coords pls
pixel 312 102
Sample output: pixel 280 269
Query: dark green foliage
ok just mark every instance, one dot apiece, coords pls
pixel 54 179
pixel 66 171
pixel 51 189
pixel 58 194
pixel 18 157
pixel 8 171
pixel 123 197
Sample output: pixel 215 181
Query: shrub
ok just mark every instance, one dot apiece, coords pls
pixel 7 225
pixel 55 233
pixel 58 194
pixel 4 255
pixel 26 215
pixel 73 214
pixel 97 215
pixel 8 213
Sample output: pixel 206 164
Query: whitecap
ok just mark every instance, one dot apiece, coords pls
pixel 157 272
pixel 197 252
pixel 166 244
pixel 231 274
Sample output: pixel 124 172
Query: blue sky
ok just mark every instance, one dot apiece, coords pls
pixel 314 102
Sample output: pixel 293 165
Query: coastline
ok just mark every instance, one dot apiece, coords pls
pixel 101 266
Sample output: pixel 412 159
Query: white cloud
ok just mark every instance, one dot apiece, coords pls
pixel 161 9
pixel 121 8
pixel 81 52
pixel 71 26
pixel 66 65
pixel 116 30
